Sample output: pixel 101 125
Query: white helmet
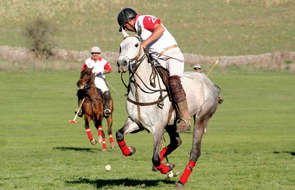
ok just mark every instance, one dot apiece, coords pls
pixel 197 66
pixel 95 49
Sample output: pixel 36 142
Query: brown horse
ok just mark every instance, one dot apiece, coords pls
pixel 92 108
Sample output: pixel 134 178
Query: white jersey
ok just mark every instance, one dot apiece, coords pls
pixel 144 26
pixel 98 66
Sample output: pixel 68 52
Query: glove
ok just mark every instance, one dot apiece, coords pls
pixel 99 74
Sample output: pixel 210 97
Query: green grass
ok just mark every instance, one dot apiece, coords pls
pixel 249 143
pixel 203 27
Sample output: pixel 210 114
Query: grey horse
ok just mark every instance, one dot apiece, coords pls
pixel 149 107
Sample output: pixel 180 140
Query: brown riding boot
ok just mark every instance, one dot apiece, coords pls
pixel 106 103
pixel 183 123
pixel 178 96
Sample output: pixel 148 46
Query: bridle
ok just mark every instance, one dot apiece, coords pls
pixel 137 60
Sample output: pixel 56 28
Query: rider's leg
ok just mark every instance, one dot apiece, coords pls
pixel 178 95
pixel 101 84
pixel 175 65
pixel 106 105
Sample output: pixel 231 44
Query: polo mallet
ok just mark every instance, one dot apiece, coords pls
pixel 212 67
pixel 80 107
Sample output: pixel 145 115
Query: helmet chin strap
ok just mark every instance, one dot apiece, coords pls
pixel 131 26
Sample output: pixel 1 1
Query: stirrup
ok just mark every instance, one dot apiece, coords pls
pixel 182 125
pixel 107 112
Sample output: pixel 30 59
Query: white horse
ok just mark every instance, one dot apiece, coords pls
pixel 149 107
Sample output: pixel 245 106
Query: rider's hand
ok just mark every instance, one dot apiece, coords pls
pixel 99 74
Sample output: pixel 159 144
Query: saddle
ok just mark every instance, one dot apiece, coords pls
pixel 164 74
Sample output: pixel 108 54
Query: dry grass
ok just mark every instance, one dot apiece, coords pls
pixel 213 28
pixel 270 3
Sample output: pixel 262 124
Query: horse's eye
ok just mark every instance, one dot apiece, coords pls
pixel 136 45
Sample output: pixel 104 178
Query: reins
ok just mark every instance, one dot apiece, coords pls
pixel 153 77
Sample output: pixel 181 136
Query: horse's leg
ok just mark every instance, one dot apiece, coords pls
pixel 87 119
pixel 175 142
pixel 157 157
pixel 200 125
pixel 100 135
pixel 110 123
pixel 129 126
pixel 104 146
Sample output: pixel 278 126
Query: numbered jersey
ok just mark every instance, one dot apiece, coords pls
pixel 145 25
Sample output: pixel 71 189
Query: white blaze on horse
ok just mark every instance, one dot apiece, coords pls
pixel 149 106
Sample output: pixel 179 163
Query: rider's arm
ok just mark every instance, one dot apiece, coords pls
pixel 107 68
pixel 158 31
pixel 84 67
pixel 154 25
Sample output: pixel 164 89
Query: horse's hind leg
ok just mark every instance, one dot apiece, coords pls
pixel 110 123
pixel 200 125
pixel 129 127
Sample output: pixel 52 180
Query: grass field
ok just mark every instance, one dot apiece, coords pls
pixel 249 143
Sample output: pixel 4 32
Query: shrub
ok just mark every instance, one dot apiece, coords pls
pixel 40 34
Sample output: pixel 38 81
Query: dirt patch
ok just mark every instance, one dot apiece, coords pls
pixel 270 61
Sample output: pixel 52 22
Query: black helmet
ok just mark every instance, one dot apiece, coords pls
pixel 124 15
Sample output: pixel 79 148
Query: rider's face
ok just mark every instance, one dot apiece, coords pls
pixel 130 26
pixel 95 56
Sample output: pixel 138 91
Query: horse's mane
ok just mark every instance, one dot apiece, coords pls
pixel 87 71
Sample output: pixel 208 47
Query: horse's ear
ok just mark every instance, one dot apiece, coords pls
pixel 124 33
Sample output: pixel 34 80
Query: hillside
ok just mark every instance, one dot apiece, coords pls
pixel 211 28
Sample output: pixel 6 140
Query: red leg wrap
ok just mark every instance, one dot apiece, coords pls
pixel 187 171
pixel 99 131
pixel 104 146
pixel 163 151
pixel 125 150
pixel 88 131
pixel 163 168
pixel 111 138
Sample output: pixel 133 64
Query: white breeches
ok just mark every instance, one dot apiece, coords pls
pixel 100 84
pixel 175 66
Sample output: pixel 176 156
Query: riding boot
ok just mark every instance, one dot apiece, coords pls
pixel 106 103
pixel 178 96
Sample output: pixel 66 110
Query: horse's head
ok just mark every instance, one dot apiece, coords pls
pixel 86 77
pixel 130 51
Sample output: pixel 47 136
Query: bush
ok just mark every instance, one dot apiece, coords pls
pixel 40 34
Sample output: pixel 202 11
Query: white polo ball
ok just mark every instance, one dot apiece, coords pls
pixel 108 167
pixel 171 174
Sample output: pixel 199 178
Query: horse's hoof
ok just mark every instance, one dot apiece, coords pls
pixel 93 141
pixel 179 185
pixel 107 112
pixel 132 150
pixel 171 166
pixel 99 139
pixel 154 169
